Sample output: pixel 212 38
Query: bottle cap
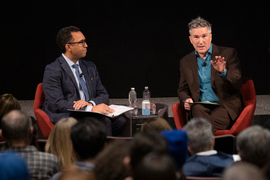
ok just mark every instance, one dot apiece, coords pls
pixel 132 88
pixel 146 87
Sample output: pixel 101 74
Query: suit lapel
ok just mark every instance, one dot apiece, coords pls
pixel 215 52
pixel 194 68
pixel 67 69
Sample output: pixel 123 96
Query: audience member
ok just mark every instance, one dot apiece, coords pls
pixel 177 143
pixel 7 103
pixel 17 131
pixel 253 145
pixel 12 166
pixel 205 161
pixel 59 142
pixel 243 171
pixel 109 163
pixel 143 144
pixel 155 125
pixel 155 166
pixel 88 138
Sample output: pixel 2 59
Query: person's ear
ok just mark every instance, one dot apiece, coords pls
pixel 190 150
pixel 126 162
pixel 67 47
pixel 1 135
pixel 213 142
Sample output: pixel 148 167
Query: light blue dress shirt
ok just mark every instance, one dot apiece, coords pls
pixel 204 70
pixel 70 63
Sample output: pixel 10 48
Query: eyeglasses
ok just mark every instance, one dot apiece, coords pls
pixel 82 42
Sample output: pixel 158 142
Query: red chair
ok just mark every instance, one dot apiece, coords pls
pixel 243 121
pixel 43 119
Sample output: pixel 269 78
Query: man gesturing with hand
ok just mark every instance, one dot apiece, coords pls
pixel 210 73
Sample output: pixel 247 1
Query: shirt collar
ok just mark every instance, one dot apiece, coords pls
pixel 70 63
pixel 207 153
pixel 208 52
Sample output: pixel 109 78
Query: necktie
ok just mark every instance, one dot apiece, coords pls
pixel 82 84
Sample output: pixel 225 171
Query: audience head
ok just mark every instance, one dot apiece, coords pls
pixel 7 103
pixel 64 37
pixel 243 171
pixel 155 166
pixel 12 166
pixel 199 23
pixel 88 137
pixel 253 145
pixel 200 136
pixel 177 144
pixel 109 163
pixel 143 144
pixel 16 128
pixel 155 125
pixel 59 142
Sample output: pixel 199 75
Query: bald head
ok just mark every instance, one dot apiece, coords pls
pixel 16 126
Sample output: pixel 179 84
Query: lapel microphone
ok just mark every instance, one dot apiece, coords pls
pixel 204 64
pixel 81 74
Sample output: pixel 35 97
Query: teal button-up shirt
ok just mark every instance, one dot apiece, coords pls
pixel 204 70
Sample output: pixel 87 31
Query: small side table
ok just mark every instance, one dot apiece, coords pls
pixel 136 121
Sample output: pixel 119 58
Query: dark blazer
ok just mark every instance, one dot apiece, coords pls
pixel 207 166
pixel 228 90
pixel 61 89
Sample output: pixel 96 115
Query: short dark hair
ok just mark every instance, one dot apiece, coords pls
pixel 88 137
pixel 155 166
pixel 64 36
pixel 16 126
pixel 145 143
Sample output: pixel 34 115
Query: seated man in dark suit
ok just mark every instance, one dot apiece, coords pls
pixel 205 161
pixel 72 83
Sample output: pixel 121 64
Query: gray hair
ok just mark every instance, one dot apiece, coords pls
pixel 199 22
pixel 243 171
pixel 253 145
pixel 199 132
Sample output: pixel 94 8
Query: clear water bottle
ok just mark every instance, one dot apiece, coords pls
pixel 132 97
pixel 146 101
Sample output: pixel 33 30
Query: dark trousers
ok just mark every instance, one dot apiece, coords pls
pixel 114 126
pixel 216 115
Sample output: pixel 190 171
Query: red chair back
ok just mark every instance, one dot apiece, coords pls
pixel 43 119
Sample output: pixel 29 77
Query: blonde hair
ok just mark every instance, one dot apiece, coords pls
pixel 59 142
pixel 7 103
pixel 155 125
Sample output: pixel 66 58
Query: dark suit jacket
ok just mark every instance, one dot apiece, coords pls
pixel 228 90
pixel 207 166
pixel 61 89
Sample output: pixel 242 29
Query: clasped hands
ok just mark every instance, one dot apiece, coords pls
pixel 219 64
pixel 100 108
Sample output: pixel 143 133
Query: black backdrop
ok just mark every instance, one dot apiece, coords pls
pixel 133 44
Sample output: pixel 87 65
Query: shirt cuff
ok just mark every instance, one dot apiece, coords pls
pixel 223 75
pixel 92 102
pixel 89 108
